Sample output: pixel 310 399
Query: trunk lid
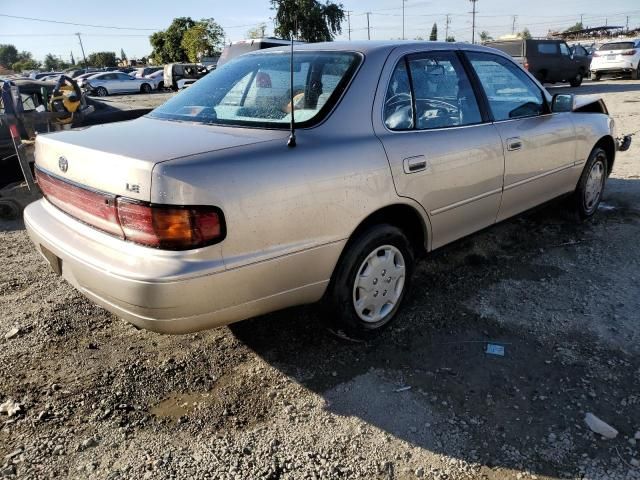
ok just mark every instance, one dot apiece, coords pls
pixel 118 158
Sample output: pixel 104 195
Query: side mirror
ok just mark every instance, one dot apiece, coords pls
pixel 562 102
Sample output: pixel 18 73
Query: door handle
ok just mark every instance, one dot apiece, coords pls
pixel 414 164
pixel 514 143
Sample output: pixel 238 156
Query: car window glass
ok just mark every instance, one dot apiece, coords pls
pixel 123 76
pixel 547 48
pixel 443 94
pixel 564 49
pixel 511 93
pixel 398 113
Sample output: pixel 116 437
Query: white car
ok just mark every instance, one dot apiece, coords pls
pixel 615 58
pixel 107 83
pixel 157 79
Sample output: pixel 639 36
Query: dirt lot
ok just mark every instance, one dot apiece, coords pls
pixel 279 397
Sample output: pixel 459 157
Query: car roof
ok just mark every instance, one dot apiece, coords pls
pixel 371 46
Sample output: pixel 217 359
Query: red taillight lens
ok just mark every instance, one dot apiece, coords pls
pixel 13 130
pixel 169 227
pixel 629 52
pixel 96 209
pixel 160 226
pixel 596 54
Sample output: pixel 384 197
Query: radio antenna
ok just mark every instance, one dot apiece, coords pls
pixel 292 137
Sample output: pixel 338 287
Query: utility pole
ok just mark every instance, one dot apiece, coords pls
pixel 513 25
pixel 473 22
pixel 82 48
pixel 349 23
pixel 368 27
pixel 581 16
pixel 263 27
pixel 403 1
pixel 446 28
pixel 627 23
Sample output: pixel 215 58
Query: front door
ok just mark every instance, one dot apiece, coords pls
pixel 443 152
pixel 539 146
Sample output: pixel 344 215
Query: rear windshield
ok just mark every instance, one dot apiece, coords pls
pixel 547 48
pixel 515 49
pixel 254 90
pixel 617 46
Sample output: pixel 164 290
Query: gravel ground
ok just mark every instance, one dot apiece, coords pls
pixel 280 398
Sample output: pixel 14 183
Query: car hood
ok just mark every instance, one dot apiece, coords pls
pixel 118 157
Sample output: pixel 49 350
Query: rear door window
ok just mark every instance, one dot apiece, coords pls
pixel 547 48
pixel 510 92
pixel 442 95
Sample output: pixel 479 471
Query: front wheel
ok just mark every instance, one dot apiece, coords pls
pixel 371 281
pixel 577 80
pixel 145 88
pixel 590 189
pixel 101 92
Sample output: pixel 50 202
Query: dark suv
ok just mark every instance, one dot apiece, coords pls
pixel 548 60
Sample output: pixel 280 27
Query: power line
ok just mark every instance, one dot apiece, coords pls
pixel 76 24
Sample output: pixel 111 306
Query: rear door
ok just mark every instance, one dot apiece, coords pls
pixel 443 151
pixel 126 83
pixel 539 146
pixel 548 62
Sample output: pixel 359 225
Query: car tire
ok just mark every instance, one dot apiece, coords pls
pixel 145 88
pixel 596 77
pixel 380 259
pixel 635 75
pixel 161 86
pixel 590 188
pixel 577 80
pixel 101 92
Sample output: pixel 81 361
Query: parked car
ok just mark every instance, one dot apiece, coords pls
pixel 550 61
pixel 145 71
pixel 181 75
pixel 615 58
pixel 251 45
pixel 202 213
pixel 108 83
pixel 41 75
pixel 157 79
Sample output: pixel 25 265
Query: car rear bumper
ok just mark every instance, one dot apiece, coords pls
pixel 151 289
pixel 611 68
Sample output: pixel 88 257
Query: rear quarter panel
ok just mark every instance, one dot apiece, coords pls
pixel 590 128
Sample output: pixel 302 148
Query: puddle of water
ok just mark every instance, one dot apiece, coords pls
pixel 180 404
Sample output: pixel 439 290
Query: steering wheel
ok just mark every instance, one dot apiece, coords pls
pixel 449 109
pixel 65 98
pixel 396 99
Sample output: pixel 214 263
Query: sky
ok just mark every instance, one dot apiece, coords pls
pixel 137 19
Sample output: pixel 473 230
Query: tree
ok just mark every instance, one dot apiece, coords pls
pixel 204 39
pixel 25 62
pixel 309 20
pixel 258 31
pixel 123 56
pixel 53 63
pixel 102 59
pixel 525 34
pixel 8 55
pixel 451 38
pixel 485 37
pixel 434 33
pixel 167 44
pixel 575 28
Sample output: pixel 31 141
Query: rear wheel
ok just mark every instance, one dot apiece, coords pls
pixel 371 281
pixel 145 88
pixel 635 75
pixel 577 80
pixel 596 77
pixel 590 189
pixel 101 92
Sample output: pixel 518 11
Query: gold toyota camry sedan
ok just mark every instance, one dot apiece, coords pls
pixel 202 213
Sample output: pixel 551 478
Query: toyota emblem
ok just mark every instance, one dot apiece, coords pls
pixel 63 165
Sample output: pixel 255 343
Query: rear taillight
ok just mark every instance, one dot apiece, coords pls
pixel 94 208
pixel 628 53
pixel 168 227
pixel 596 54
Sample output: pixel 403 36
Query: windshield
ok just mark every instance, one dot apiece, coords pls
pixel 617 46
pixel 254 90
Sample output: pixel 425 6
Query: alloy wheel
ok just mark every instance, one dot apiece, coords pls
pixel 594 186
